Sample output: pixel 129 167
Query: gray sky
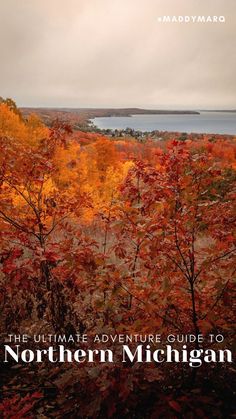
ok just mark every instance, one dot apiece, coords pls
pixel 115 53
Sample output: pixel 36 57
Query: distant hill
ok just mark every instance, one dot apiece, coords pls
pixel 79 117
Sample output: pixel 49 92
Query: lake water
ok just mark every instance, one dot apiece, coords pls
pixel 205 122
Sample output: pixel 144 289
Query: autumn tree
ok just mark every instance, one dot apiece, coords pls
pixel 35 205
pixel 180 221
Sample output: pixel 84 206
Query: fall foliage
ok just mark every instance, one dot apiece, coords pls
pixel 114 236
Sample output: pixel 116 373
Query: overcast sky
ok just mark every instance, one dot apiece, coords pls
pixel 115 53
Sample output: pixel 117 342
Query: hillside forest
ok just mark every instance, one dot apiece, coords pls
pixel 117 236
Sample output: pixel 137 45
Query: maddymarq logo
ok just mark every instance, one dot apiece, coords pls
pixel 191 19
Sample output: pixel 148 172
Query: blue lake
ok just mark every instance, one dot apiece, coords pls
pixel 205 122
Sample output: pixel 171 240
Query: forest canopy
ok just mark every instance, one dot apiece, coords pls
pixel 113 235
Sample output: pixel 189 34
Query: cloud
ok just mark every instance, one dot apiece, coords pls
pixel 115 53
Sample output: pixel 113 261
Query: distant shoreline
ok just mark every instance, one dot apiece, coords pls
pixel 119 111
pixel 90 113
pixel 83 118
pixel 125 111
pixel 204 122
